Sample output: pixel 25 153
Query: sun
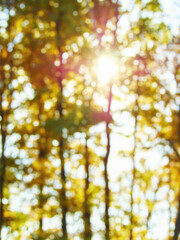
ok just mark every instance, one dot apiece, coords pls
pixel 107 68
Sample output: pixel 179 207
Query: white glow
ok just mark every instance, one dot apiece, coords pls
pixel 107 68
pixel 57 63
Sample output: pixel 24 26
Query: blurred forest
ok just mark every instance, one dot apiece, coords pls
pixel 82 158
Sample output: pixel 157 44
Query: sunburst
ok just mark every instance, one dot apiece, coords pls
pixel 107 68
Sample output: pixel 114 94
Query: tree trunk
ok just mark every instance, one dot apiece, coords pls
pixel 132 202
pixel 41 210
pixel 177 227
pixel 2 173
pixel 41 202
pixel 133 164
pixel 107 203
pixel 3 159
pixel 169 198
pixel 87 214
pixel 63 199
pixel 107 194
pixel 4 115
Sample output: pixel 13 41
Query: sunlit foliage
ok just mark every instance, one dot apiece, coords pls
pixel 89 121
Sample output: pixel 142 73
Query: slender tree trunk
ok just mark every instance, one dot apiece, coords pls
pixel 63 199
pixel 42 154
pixel 177 226
pixel 2 173
pixel 63 193
pixel 4 114
pixel 3 140
pixel 40 159
pixel 132 202
pixel 136 109
pixel 133 173
pixel 169 199
pixel 107 203
pixel 132 186
pixel 87 214
pixel 41 209
pixel 106 179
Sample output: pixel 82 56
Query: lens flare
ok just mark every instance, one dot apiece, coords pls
pixel 107 68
